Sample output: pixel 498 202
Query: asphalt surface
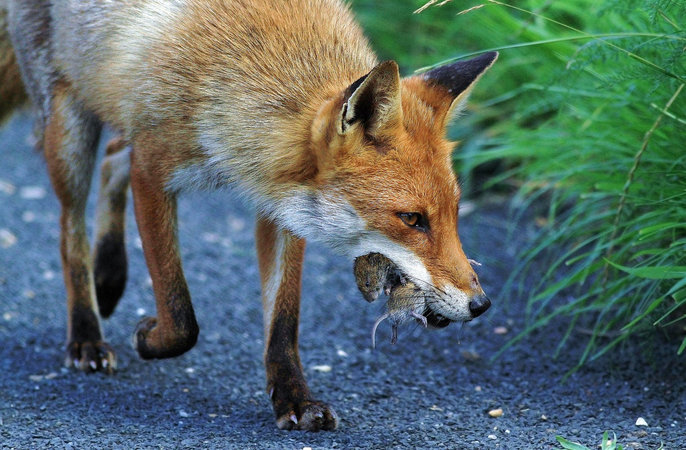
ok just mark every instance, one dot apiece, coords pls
pixel 434 389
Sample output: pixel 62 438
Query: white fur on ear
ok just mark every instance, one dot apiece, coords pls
pixel 373 101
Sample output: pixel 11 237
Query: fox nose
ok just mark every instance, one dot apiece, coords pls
pixel 478 305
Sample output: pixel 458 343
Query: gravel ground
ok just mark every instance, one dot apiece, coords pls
pixel 431 390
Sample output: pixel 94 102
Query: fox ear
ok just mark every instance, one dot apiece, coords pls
pixel 373 101
pixel 455 82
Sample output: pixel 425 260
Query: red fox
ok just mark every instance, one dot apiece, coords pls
pixel 284 102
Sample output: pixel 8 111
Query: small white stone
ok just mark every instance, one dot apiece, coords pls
pixel 236 224
pixel 189 370
pixel 500 330
pixel 48 275
pixel 342 353
pixel 7 239
pixel 183 413
pixel 322 368
pixel 28 216
pixel 495 412
pixel 492 436
pixel 212 238
pixel 32 192
pixel 641 422
pixel 7 187
pixel 466 207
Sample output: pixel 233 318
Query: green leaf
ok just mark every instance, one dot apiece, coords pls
pixel 652 273
pixel 682 347
pixel 569 445
pixel 658 228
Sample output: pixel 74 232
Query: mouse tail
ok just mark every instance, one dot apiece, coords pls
pixel 376 325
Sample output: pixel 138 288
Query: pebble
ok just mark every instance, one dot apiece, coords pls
pixel 32 192
pixel 236 224
pixel 500 330
pixel 322 368
pixel 342 353
pixel 641 422
pixel 470 355
pixel 496 412
pixel 7 187
pixel 466 207
pixel 212 238
pixel 28 216
pixel 183 413
pixel 492 436
pixel 7 239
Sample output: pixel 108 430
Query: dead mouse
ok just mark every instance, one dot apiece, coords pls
pixel 405 302
pixel 375 275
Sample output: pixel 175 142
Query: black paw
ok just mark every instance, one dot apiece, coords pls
pixel 309 416
pixel 91 356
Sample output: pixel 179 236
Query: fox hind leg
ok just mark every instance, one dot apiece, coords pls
pixel 110 251
pixel 70 139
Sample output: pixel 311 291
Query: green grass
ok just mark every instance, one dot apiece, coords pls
pixel 586 111
pixel 605 444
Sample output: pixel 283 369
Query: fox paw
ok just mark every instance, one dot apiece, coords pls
pixel 154 341
pixel 90 356
pixel 309 416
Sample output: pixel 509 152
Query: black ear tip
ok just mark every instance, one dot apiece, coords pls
pixel 484 60
pixel 458 76
pixel 491 56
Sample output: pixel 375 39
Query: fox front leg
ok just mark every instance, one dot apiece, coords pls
pixel 280 255
pixel 174 330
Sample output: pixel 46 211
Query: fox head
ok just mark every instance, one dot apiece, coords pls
pixel 385 181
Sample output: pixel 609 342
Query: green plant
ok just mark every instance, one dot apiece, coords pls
pixel 605 444
pixel 598 129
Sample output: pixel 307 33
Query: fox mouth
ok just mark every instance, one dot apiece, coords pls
pixel 435 320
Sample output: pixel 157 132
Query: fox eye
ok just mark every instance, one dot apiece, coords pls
pixel 414 220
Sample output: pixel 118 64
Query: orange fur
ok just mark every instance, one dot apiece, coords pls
pixel 283 101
